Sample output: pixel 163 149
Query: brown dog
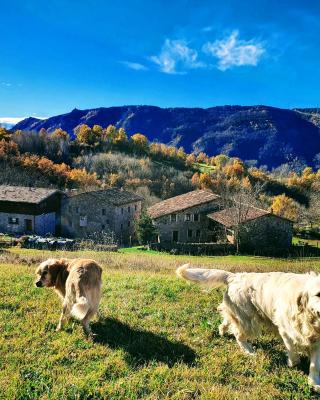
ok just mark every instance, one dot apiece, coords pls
pixel 77 282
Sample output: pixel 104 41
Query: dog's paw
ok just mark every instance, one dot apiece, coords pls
pixel 316 388
pixel 315 385
pixel 293 362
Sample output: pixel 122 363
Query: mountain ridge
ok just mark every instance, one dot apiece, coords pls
pixel 270 135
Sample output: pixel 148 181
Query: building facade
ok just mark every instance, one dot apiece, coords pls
pixel 108 211
pixel 27 210
pixel 183 219
pixel 254 228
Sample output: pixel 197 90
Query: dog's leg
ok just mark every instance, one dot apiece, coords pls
pixel 224 327
pixel 314 373
pixel 245 346
pixel 63 317
pixel 293 356
pixel 86 320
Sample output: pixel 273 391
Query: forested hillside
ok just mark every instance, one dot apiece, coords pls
pixel 108 157
pixel 265 135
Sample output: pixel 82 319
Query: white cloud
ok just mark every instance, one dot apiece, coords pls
pixel 233 52
pixel 207 29
pixel 134 65
pixel 176 57
pixel 6 84
pixel 10 120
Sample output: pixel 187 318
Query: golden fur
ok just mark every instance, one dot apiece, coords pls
pixel 286 303
pixel 77 282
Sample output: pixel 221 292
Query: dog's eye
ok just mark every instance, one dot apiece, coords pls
pixel 44 272
pixel 318 294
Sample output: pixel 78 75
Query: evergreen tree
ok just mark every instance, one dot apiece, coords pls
pixel 146 231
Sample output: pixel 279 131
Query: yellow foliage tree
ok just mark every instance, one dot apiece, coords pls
pixel 60 134
pixel 140 142
pixel 284 207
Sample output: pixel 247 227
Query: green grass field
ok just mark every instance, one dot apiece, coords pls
pixel 204 168
pixel 156 337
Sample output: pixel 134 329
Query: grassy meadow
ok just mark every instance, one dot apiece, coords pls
pixel 156 336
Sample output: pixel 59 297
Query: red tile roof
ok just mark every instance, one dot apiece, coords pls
pixel 230 216
pixel 182 202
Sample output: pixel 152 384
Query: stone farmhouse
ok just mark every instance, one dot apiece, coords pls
pixel 198 217
pixel 254 228
pixel 29 210
pixel 107 210
pixel 184 218
pixel 41 211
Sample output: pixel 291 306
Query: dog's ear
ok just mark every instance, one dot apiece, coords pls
pixel 55 269
pixel 302 301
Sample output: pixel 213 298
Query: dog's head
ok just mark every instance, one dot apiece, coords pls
pixel 309 300
pixel 48 271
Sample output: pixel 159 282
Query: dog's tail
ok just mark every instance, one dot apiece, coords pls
pixel 208 277
pixel 80 308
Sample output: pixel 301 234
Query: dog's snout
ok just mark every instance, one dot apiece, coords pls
pixel 39 284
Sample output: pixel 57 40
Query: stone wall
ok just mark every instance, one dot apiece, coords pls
pixel 84 215
pixel 266 232
pixel 188 230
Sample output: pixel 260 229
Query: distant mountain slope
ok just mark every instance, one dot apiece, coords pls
pixel 266 134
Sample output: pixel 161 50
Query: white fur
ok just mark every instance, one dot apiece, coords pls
pixel 80 308
pixel 286 303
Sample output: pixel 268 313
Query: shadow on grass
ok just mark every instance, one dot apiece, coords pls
pixel 141 346
pixel 278 357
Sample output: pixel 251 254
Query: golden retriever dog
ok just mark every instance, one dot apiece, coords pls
pixel 286 303
pixel 77 282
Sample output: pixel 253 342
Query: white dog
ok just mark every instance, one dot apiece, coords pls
pixel 283 302
pixel 77 282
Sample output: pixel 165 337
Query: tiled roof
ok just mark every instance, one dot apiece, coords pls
pixel 114 196
pixel 230 216
pixel 22 194
pixel 182 202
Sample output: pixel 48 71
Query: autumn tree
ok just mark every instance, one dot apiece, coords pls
pixel 284 207
pixel 221 160
pixel 4 134
pixel 190 159
pixel 111 133
pixel 202 158
pixel 85 135
pixel 60 134
pixel 140 143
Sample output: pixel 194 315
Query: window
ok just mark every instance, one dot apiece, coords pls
pixel 121 210
pixel 129 209
pixel 128 223
pixel 173 217
pixel 103 226
pixel 135 207
pixel 187 217
pixel 196 217
pixel 70 209
pixel 198 233
pixel 189 233
pixel 13 221
pixel 77 210
pixel 103 211
pixel 121 226
pixel 83 221
pixel 175 236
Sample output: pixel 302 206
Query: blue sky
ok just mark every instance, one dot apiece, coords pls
pixel 56 55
